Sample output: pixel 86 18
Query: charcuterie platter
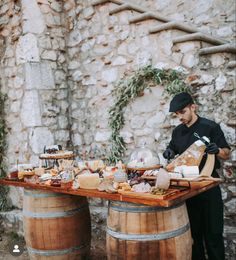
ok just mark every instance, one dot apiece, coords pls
pixel 162 195
pixel 172 197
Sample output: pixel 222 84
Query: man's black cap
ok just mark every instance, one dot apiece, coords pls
pixel 180 101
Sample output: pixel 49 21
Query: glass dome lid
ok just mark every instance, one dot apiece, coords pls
pixel 143 158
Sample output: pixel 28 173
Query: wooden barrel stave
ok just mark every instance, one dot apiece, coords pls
pixel 56 226
pixel 144 232
pixel 59 254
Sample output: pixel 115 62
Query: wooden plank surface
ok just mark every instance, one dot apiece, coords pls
pixel 168 193
pixel 195 188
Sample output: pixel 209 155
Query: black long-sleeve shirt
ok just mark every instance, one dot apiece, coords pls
pixel 183 137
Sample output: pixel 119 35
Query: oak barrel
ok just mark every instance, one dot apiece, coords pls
pixel 56 226
pixel 137 231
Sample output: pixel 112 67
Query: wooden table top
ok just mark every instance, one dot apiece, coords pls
pixel 134 197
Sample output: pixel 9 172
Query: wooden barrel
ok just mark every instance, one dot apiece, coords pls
pixel 56 226
pixel 144 232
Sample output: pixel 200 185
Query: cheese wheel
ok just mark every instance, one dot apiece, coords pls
pixel 88 181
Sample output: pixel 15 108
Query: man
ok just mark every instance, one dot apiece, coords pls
pixel 206 209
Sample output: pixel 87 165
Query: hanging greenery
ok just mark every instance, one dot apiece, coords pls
pixel 128 89
pixel 3 189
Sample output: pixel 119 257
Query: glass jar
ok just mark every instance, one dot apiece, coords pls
pixel 143 158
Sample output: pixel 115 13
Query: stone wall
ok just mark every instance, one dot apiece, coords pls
pixel 60 61
pixel 33 75
pixel 33 72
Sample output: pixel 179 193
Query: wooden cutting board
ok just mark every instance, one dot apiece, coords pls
pixel 157 166
pixel 142 195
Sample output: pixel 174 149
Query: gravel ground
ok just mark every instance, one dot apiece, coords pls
pixel 97 247
pixel 5 240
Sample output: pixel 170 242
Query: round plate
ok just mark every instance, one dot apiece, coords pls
pixel 158 166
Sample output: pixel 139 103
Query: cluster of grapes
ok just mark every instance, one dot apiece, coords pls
pixel 134 174
pixel 134 177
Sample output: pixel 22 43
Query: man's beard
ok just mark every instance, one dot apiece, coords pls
pixel 185 121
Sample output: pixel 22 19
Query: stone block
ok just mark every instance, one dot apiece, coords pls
pixel 156 121
pixel 27 49
pixel 217 60
pixel 52 20
pixel 49 55
pixel 77 75
pixel 47 78
pixel 230 205
pixel 137 122
pixel 74 39
pixel 30 112
pixel 62 136
pixel 143 132
pixel 56 6
pixel 102 136
pixel 39 137
pixel 109 75
pixel 119 61
pixel 15 196
pixel 229 133
pixel 32 76
pixel 127 136
pixel 15 107
pixel 143 58
pixel 189 60
pixel 88 13
pixel 77 139
pixel 33 21
pixel 144 104
pixel 12 221
pixel 220 82
pixel 89 81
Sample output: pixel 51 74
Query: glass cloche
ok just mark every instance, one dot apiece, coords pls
pixel 143 158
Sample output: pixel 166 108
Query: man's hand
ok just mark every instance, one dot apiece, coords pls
pixel 168 154
pixel 212 148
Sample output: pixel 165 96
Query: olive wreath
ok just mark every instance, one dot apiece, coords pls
pixel 127 90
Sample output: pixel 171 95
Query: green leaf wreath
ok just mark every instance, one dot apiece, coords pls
pixel 128 89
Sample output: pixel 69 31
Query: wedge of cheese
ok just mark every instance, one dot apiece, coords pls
pixel 190 157
pixel 88 181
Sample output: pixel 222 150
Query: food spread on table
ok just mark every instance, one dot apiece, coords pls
pixel 142 174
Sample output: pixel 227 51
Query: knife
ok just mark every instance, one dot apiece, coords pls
pixel 201 138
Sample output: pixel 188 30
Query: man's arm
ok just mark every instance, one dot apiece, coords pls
pixel 219 145
pixel 224 153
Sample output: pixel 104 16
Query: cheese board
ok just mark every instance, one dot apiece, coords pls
pixel 145 195
pixel 195 179
pixel 157 166
pixel 174 197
